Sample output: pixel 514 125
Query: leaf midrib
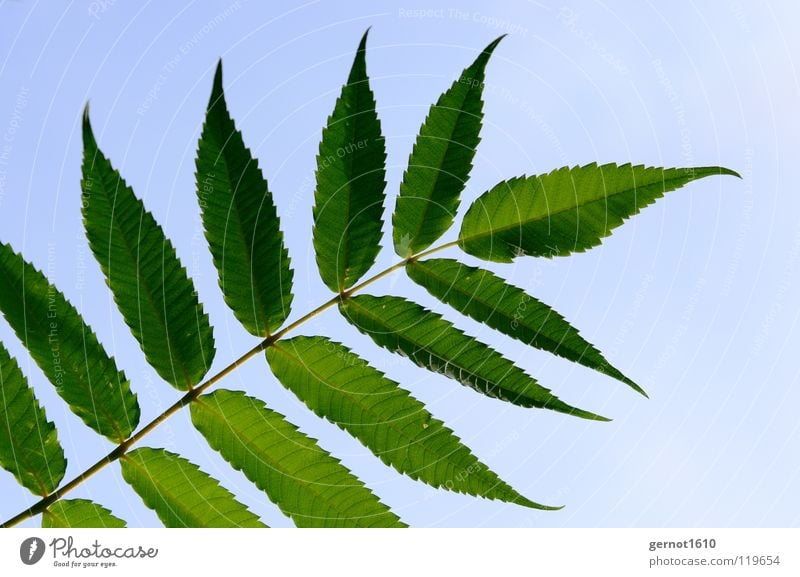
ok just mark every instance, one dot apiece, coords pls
pixel 350 130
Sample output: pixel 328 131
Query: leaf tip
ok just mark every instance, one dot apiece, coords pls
pixel 623 379
pixel 493 44
pixel 362 45
pixel 358 71
pixel 217 94
pixel 729 172
pixel 478 67
pixel 588 415
pixel 525 502
pixel 486 53
pixel 703 171
pixel 88 134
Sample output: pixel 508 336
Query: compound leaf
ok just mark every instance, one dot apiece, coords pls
pixel 351 177
pixel 440 162
pixel 241 223
pixel 433 343
pixel 66 349
pixel 29 447
pixel 568 210
pixel 180 493
pixel 489 299
pixel 340 386
pixel 150 286
pixel 307 483
pixel 79 514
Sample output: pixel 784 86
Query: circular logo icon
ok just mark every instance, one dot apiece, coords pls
pixel 31 551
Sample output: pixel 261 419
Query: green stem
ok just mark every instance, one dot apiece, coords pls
pixel 192 394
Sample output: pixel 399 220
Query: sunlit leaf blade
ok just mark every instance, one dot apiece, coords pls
pixel 348 202
pixel 241 223
pixel 308 485
pixel 489 299
pixel 79 514
pixel 337 384
pixel 151 288
pixel 29 447
pixel 440 162
pixel 431 342
pixel 568 210
pixel 66 349
pixel 180 493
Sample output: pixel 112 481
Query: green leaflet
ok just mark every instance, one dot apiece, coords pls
pixel 79 514
pixel 568 210
pixel 337 384
pixel 489 299
pixel 311 487
pixel 433 343
pixel 440 161
pixel 241 223
pixel 151 288
pixel 351 177
pixel 180 493
pixel 29 447
pixel 66 349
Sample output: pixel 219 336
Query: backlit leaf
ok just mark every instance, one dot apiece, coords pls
pixel 351 177
pixel 241 223
pixel 150 286
pixel 568 210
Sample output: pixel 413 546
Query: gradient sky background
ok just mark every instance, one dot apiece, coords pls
pixel 696 298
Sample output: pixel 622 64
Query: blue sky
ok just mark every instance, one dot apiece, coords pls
pixel 696 298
